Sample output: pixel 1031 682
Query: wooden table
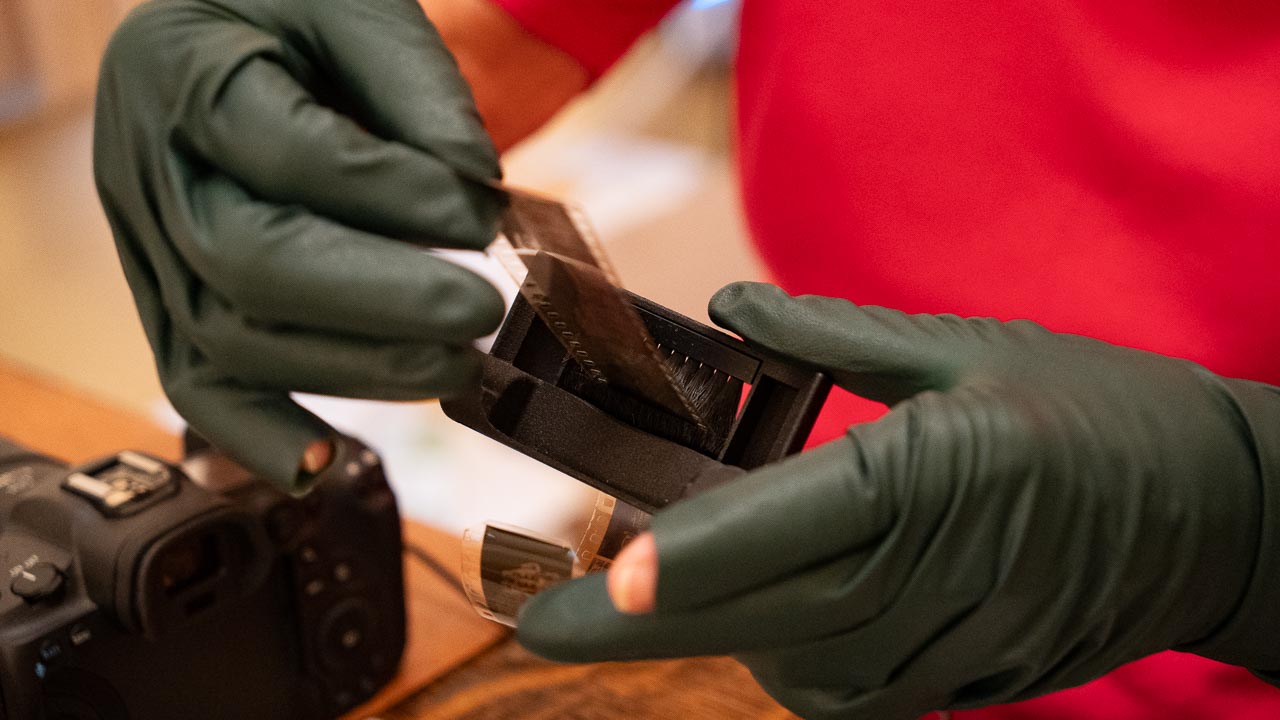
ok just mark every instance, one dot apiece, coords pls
pixel 456 665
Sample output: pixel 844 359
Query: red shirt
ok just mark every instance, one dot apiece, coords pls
pixel 1104 168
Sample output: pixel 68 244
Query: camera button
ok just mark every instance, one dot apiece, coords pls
pixel 351 639
pixel 342 572
pixel 345 633
pixel 51 651
pixel 344 699
pixel 41 581
pixel 80 634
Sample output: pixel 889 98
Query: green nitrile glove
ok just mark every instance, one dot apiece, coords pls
pixel 1036 510
pixel 262 163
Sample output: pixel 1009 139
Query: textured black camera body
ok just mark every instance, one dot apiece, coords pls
pixel 135 589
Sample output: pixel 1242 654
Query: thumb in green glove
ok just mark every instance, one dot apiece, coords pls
pixel 262 164
pixel 1035 510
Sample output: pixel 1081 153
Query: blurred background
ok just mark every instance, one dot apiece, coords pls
pixel 645 153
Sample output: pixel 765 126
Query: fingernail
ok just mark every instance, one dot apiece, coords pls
pixel 633 578
pixel 317 456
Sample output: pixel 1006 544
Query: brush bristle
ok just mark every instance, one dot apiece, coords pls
pixel 714 396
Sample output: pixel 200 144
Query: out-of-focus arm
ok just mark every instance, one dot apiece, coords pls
pixel 519 81
pixel 525 59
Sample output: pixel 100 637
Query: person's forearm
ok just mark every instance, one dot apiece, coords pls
pixel 519 81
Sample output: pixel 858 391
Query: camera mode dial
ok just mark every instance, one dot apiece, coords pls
pixel 41 581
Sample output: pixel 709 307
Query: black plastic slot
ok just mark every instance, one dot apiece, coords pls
pixel 540 355
pixel 759 431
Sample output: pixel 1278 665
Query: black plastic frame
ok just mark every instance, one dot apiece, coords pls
pixel 523 403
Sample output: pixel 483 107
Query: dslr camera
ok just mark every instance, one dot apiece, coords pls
pixel 134 589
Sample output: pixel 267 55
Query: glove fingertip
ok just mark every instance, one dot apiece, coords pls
pixel 473 153
pixel 266 432
pixel 753 310
pixel 547 628
pixel 481 225
pixel 576 622
pixel 566 623
pixel 462 305
pixel 730 299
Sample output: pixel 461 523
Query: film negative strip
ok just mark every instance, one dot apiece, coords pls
pixel 603 332
pixel 613 525
pixel 503 566
pixel 534 222
pixel 575 290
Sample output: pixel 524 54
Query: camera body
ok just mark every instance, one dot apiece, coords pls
pixel 133 589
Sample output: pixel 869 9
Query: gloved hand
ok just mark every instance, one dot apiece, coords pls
pixel 262 164
pixel 1035 510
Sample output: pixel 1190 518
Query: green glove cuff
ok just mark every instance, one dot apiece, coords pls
pixel 1251 636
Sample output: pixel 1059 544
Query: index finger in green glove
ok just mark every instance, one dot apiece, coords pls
pixel 800 552
pixel 875 352
pixel 311 361
pixel 799 562
pixel 268 430
pixel 285 265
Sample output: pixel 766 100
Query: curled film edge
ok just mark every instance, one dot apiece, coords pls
pixel 503 566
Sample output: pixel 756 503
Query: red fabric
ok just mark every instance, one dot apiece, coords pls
pixel 595 32
pixel 1105 168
